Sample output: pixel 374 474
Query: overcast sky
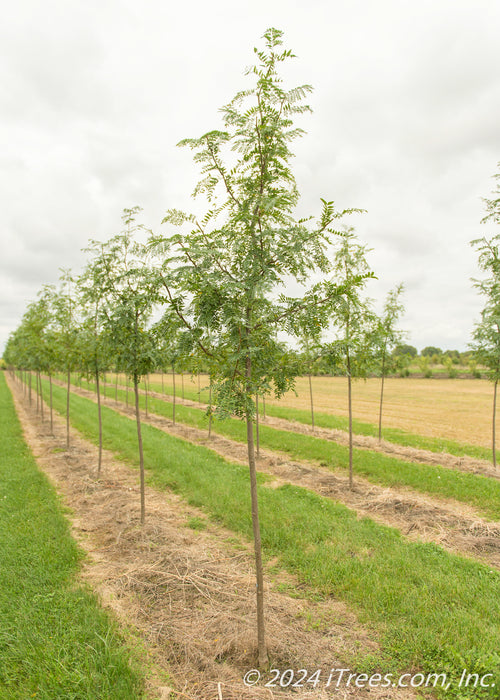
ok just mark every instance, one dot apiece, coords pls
pixel 95 95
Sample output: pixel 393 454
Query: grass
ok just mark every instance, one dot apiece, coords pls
pixel 481 492
pixel 55 640
pixel 433 610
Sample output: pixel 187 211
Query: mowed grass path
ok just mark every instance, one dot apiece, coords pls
pixel 56 643
pixel 481 492
pixel 433 610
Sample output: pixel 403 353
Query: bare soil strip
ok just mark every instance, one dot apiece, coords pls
pixel 190 593
pixel 450 524
pixel 366 442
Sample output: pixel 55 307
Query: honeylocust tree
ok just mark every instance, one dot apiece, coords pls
pixel 66 330
pixel 353 320
pixel 486 334
pixel 93 285
pixel 224 273
pixel 130 289
pixel 386 338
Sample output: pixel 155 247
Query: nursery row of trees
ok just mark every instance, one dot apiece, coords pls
pixel 213 295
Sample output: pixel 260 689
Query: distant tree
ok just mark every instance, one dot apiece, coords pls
pixel 385 338
pixel 403 349
pixel 430 350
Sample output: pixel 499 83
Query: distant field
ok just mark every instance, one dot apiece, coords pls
pixel 455 409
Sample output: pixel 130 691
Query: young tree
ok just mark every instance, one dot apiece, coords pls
pixel 353 319
pixel 66 329
pixel 386 338
pixel 131 292
pixel 93 284
pixel 486 334
pixel 222 276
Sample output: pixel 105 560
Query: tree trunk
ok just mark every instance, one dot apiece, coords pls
pixel 37 391
pixel 381 400
pixel 257 437
pixel 210 408
pixel 259 572
pixel 173 397
pixel 41 395
pixel 126 390
pixel 141 454
pixel 182 385
pixel 494 422
pixel 29 392
pixel 199 388
pixel 99 414
pixel 349 395
pixel 67 409
pixel 311 399
pixel 51 410
pixel 116 388
pixel 162 382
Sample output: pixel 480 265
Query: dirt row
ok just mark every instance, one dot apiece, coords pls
pixel 453 525
pixel 186 587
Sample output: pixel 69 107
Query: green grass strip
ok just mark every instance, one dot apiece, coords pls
pixel 55 640
pixel 481 492
pixel 434 610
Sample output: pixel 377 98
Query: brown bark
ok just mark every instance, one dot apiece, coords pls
pixel 259 572
pixel 67 408
pixel 173 397
pixel 349 395
pixel 99 414
pixel 494 422
pixel 141 453
pixel 311 399
pixel 381 401
pixel 51 409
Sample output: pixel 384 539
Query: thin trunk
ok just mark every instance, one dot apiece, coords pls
pixel 67 409
pixel 126 390
pixel 51 411
pixel 99 413
pixel 37 390
pixel 182 385
pixel 29 392
pixel 349 394
pixel 139 440
pixel 494 422
pixel 259 572
pixel 116 388
pixel 41 395
pixel 210 409
pixel 381 401
pixel 199 388
pixel 257 439
pixel 173 398
pixel 162 382
pixel 311 398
